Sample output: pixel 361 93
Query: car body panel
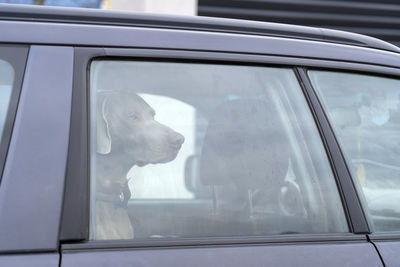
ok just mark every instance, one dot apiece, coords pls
pixel 32 187
pixel 351 254
pixel 40 259
pixel 117 36
pixel 389 251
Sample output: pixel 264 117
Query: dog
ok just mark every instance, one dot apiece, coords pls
pixel 127 134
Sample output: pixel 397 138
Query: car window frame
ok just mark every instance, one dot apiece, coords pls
pixel 76 202
pixel 16 55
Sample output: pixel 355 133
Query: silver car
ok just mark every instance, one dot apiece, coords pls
pixel 141 140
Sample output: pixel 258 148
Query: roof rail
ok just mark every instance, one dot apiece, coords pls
pixel 123 18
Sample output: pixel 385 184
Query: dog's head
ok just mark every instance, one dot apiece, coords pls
pixel 126 125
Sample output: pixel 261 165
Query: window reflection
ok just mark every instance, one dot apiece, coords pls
pixel 364 111
pixel 6 82
pixel 252 161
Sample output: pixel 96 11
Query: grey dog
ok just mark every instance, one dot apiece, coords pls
pixel 127 135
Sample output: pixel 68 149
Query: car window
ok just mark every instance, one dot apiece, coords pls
pixel 364 111
pixel 12 66
pixel 205 150
pixel 6 83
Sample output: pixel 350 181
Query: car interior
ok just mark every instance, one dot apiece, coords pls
pixel 252 167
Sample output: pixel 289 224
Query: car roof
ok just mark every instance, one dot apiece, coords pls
pixel 194 23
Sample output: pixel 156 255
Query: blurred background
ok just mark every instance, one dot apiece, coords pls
pixel 377 18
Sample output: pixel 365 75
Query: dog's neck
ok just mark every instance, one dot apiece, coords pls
pixel 112 171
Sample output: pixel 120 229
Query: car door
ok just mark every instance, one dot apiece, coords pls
pixel 363 109
pixel 257 180
pixel 35 111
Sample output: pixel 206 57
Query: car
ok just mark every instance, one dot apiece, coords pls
pixel 146 140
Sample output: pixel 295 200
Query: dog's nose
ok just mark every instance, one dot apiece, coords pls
pixel 177 139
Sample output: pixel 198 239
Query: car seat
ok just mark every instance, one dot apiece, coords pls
pixel 244 159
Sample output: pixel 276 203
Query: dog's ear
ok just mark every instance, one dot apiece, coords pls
pixel 102 126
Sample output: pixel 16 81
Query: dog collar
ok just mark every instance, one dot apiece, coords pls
pixel 120 200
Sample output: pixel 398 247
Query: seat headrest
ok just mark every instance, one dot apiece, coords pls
pixel 245 144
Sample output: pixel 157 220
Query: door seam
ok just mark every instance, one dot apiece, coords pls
pixel 377 250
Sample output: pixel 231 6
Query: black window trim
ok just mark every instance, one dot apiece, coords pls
pixel 75 219
pixel 74 223
pixel 384 236
pixel 16 55
pixel 297 239
pixel 355 212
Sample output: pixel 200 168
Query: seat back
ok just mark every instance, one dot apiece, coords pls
pixel 245 145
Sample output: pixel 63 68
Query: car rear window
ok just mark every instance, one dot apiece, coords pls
pixel 205 150
pixel 364 111
pixel 6 83
pixel 12 66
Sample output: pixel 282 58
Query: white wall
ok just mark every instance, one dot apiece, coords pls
pixel 181 7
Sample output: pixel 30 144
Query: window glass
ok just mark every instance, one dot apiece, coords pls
pixel 364 112
pixel 12 66
pixel 6 83
pixel 205 150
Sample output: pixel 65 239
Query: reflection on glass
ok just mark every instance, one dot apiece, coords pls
pixel 364 111
pixel 205 150
pixel 6 83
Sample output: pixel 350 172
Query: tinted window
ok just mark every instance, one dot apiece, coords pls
pixel 12 65
pixel 6 82
pixel 365 113
pixel 204 150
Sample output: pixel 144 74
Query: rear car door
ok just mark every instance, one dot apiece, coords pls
pixel 251 184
